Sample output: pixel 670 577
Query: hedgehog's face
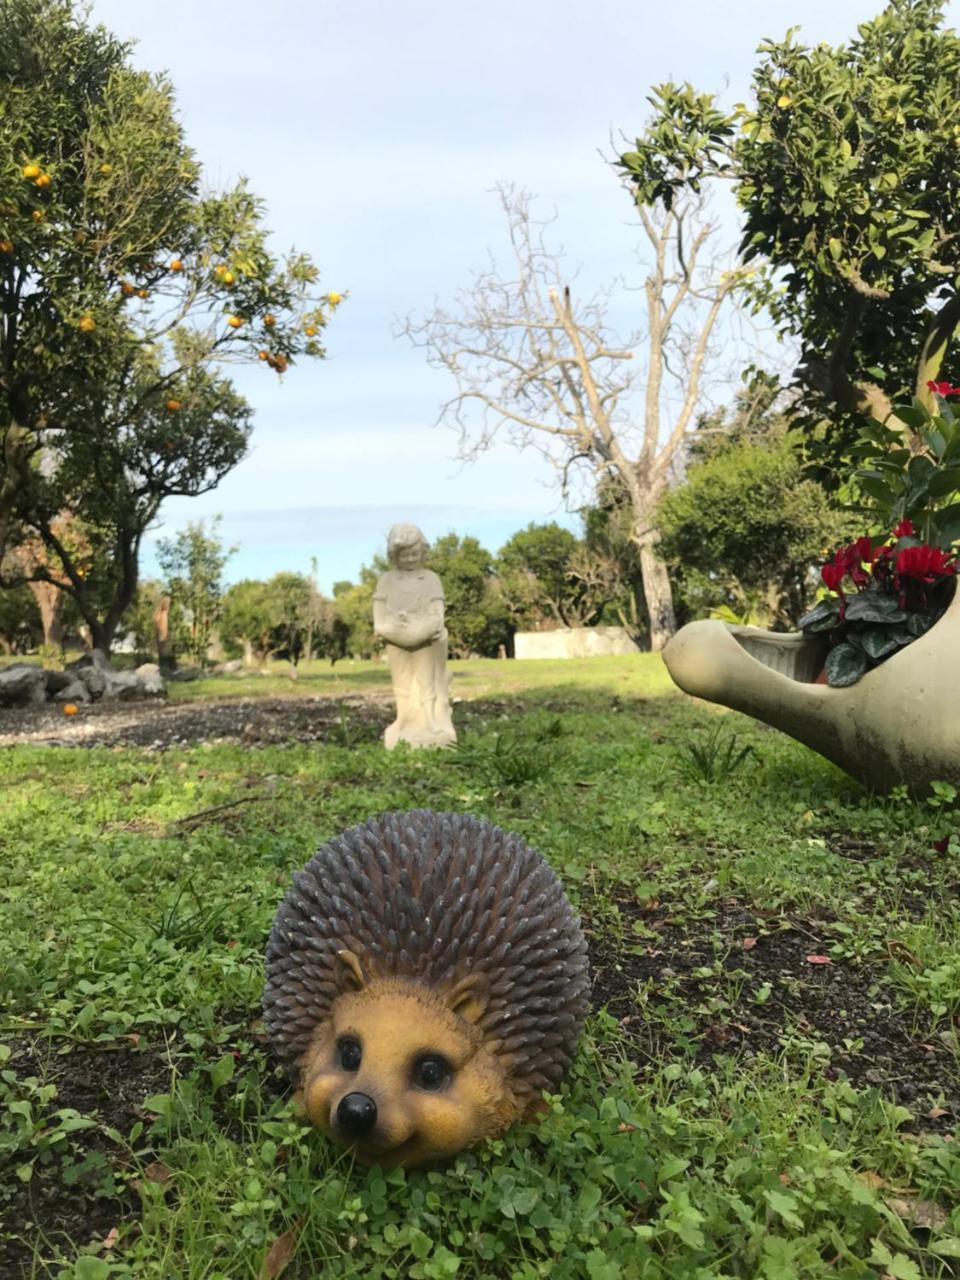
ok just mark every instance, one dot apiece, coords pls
pixel 403 1078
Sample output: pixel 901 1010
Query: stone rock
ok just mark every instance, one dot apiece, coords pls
pixel 94 679
pixel 75 691
pixel 122 686
pixel 22 685
pixel 573 642
pixel 230 668
pixel 151 684
pixel 147 669
pixel 57 680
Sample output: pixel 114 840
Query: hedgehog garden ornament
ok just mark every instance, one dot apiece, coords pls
pixel 426 981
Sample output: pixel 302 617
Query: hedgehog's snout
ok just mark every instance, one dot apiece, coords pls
pixel 356 1115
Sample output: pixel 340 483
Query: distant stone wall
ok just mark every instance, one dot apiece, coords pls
pixel 573 642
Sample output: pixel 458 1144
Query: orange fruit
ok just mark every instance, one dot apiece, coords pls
pixel 87 324
pixel 334 298
pixel 37 215
pixel 126 288
pixel 263 355
pixel 31 171
pixel 227 277
pixel 269 320
pixel 173 405
pixel 143 293
pixel 234 322
pixel 310 331
pixel 176 265
pixel 43 180
pixel 70 708
pixel 6 246
pixel 106 168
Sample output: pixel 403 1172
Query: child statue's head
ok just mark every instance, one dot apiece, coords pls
pixel 406 546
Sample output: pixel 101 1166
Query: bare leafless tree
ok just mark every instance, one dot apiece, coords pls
pixel 531 360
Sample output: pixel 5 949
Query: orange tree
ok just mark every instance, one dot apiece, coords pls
pixel 125 289
pixel 846 165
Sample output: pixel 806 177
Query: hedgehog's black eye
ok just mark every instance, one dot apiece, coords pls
pixel 349 1054
pixel 431 1072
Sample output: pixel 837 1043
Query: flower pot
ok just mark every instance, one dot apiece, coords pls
pixel 900 723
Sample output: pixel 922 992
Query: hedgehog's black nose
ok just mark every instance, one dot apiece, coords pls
pixel 356 1115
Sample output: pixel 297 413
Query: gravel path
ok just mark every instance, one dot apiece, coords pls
pixel 157 724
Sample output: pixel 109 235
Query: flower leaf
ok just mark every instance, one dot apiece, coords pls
pixel 879 642
pixel 871 606
pixel 821 617
pixel 844 666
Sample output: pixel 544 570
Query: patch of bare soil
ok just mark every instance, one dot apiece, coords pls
pixel 745 983
pixel 65 1203
pixel 158 725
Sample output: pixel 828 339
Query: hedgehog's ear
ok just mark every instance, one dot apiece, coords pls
pixel 468 998
pixel 356 980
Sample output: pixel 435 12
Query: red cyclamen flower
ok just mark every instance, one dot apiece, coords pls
pixel 904 529
pixel 924 563
pixel 833 574
pixel 943 389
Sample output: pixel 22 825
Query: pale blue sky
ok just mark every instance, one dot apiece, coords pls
pixel 374 131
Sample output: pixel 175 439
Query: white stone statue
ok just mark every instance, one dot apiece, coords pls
pixel 408 613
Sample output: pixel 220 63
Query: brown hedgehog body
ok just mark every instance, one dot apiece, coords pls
pixel 427 979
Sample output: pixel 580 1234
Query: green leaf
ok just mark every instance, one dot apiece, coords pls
pixel 912 416
pixel 844 666
pixel 821 617
pixel 89 1268
pixel 871 606
pixel 222 1070
pixel 903 1268
pixel 945 483
pixel 949 1247
pixel 785 1205
pixel 878 643
pixel 877 489
pixel 919 624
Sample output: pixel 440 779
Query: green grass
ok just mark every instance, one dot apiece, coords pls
pixel 137 1093
pixel 474 677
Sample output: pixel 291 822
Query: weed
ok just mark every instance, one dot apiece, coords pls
pixel 715 758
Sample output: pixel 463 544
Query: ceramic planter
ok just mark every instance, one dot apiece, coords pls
pixel 900 723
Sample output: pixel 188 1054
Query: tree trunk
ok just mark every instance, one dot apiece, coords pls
pixel 658 596
pixel 247 652
pixel 49 600
pixel 161 622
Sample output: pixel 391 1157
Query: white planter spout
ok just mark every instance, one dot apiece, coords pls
pixel 900 723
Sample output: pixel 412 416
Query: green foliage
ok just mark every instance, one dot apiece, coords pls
pixel 715 757
pixel 688 139
pixel 669 1154
pixel 846 166
pixel 515 759
pixel 20 627
pixel 124 288
pixel 286 615
pixel 745 529
pixel 353 605
pixel 532 577
pixel 919 484
pixel 548 577
pixel 194 562
pixel 475 617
